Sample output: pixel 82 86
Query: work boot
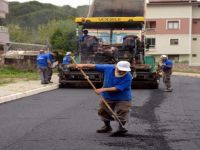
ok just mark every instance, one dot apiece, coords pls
pixel 105 129
pixel 168 90
pixel 120 130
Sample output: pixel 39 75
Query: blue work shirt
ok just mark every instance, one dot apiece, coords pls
pixel 123 84
pixel 167 64
pixel 66 60
pixel 42 60
pixel 82 38
pixel 50 57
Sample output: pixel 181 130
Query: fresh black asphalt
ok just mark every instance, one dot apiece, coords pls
pixel 66 119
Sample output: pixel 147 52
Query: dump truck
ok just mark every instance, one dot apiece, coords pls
pixel 116 31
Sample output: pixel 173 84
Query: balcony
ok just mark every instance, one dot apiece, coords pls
pixel 4 36
pixel 151 29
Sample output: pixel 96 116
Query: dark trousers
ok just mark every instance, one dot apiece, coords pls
pixel 121 108
pixel 50 72
pixel 43 72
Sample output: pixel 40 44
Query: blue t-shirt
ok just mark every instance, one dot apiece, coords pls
pixel 123 84
pixel 167 64
pixel 42 60
pixel 50 57
pixel 66 60
pixel 82 38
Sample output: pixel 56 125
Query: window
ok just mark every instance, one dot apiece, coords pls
pixel 150 25
pixel 173 25
pixel 194 39
pixel 151 42
pixel 174 57
pixel 195 22
pixel 194 55
pixel 173 41
pixel 1 48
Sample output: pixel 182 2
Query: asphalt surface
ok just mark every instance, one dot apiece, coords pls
pixel 66 119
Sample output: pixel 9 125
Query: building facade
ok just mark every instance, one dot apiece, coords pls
pixel 4 36
pixel 173 28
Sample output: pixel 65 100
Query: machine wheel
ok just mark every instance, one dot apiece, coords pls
pixel 61 85
pixel 154 85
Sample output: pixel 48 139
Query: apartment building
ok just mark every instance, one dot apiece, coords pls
pixel 4 36
pixel 173 28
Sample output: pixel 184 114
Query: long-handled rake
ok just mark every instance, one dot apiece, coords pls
pixel 103 100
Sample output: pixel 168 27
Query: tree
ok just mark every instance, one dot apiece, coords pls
pixel 18 34
pixel 65 36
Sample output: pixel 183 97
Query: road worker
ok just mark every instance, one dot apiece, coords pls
pixel 52 56
pixel 67 59
pixel 42 64
pixel 116 91
pixel 166 66
pixel 84 36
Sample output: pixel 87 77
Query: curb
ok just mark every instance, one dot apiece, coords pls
pixel 186 74
pixel 12 97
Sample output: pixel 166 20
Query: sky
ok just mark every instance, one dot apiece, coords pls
pixel 72 3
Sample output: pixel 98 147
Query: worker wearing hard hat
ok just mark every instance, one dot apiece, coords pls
pixel 116 91
pixel 67 58
pixel 166 66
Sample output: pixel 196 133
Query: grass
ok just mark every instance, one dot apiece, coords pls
pixel 181 67
pixel 9 74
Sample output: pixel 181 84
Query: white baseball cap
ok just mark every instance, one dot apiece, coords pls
pixel 68 53
pixel 163 56
pixel 123 66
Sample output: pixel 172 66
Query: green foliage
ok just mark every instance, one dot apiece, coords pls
pixel 31 14
pixel 34 22
pixel 82 11
pixel 64 37
pixel 18 34
pixel 9 75
pixel 45 31
pixel 10 72
pixel 57 39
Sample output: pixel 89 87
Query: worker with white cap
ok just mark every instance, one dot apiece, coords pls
pixel 67 59
pixel 116 91
pixel 166 66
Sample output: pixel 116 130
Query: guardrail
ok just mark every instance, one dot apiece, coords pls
pixel 3 29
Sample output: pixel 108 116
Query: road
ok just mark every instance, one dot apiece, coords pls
pixel 66 119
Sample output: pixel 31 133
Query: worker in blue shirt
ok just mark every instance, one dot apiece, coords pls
pixel 166 66
pixel 116 91
pixel 43 63
pixel 67 59
pixel 52 56
pixel 84 36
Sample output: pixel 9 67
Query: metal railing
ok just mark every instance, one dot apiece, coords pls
pixel 3 29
